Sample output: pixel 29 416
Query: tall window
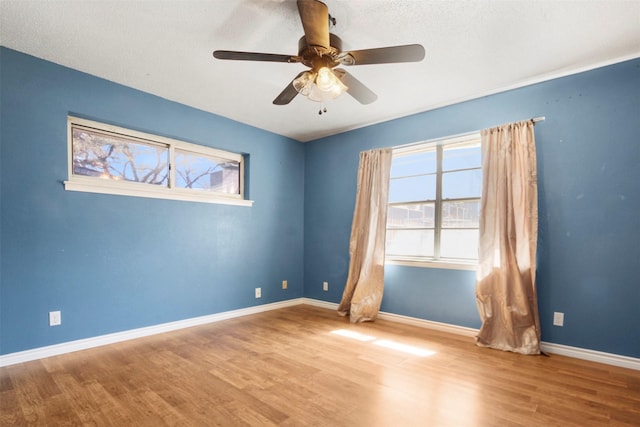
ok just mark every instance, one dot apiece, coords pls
pixel 434 202
pixel 114 160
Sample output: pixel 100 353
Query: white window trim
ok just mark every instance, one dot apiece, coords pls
pixel 136 189
pixel 449 264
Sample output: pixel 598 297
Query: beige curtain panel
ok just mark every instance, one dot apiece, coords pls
pixel 363 290
pixel 505 287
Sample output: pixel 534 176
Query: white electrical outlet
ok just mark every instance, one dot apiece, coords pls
pixel 258 292
pixel 284 284
pixel 325 286
pixel 558 319
pixel 55 318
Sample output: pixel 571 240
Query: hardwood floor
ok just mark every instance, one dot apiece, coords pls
pixel 305 365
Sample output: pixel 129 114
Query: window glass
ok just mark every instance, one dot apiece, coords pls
pixel 462 214
pixel 462 184
pixel 420 163
pixel 201 172
pixel 411 216
pixel 113 157
pixel 460 244
pixel 412 188
pixel 461 156
pixel 410 243
pixel 434 202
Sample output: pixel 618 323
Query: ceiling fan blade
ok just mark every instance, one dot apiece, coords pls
pixel 356 88
pixel 289 92
pixel 315 21
pixel 383 55
pixel 253 56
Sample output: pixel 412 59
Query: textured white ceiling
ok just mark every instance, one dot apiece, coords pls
pixel 473 48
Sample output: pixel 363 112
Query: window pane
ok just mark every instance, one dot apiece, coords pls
pixel 463 184
pixel 461 244
pixel 410 242
pixel 411 216
pixel 119 158
pixel 414 188
pixel 414 164
pixel 461 214
pixel 461 156
pixel 201 172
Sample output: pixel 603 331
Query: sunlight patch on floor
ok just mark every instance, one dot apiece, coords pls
pixel 353 335
pixel 405 348
pixel 393 345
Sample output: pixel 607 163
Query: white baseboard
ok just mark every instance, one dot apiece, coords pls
pixel 68 347
pixel 320 303
pixel 429 324
pixel 591 355
pixel 83 344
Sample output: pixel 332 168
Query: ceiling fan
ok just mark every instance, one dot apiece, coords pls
pixel 322 52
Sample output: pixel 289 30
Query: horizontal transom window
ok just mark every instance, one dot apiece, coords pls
pixel 114 160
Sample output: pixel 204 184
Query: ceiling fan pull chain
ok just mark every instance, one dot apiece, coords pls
pixel 332 21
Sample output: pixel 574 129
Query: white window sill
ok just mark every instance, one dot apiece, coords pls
pixel 145 190
pixel 449 265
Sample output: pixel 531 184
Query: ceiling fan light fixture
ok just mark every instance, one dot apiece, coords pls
pixel 325 86
pixel 319 86
pixel 327 81
pixel 339 88
pixel 319 96
pixel 304 83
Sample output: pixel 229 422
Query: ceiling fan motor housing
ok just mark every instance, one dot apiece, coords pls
pixel 316 57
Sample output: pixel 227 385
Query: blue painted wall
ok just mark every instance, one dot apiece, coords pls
pixel 113 263
pixel 589 208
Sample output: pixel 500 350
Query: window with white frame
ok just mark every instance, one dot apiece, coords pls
pixel 114 160
pixel 434 203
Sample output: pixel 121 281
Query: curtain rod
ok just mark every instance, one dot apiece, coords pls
pixel 459 135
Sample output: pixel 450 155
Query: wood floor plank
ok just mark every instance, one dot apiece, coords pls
pixel 307 366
